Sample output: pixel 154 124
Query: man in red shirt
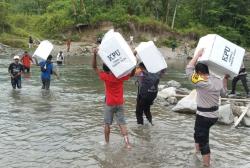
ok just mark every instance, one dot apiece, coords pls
pixel 113 100
pixel 26 59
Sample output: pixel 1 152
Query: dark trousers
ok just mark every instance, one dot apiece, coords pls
pixel 46 84
pixel 201 132
pixel 16 82
pixel 27 69
pixel 243 79
pixel 143 106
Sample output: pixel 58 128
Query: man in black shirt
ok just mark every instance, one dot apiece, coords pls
pixel 243 77
pixel 15 70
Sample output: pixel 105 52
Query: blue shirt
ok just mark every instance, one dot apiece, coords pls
pixel 46 69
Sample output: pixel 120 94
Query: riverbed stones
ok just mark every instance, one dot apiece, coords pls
pixel 246 121
pixel 182 91
pixel 173 83
pixel 225 114
pixel 161 87
pixel 167 92
pixel 172 100
pixel 187 104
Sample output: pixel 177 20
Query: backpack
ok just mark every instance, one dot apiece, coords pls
pixel 148 87
pixel 43 67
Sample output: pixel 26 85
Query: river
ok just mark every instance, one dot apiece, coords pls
pixel 62 128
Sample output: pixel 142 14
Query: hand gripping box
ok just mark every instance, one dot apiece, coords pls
pixel 221 56
pixel 116 54
pixel 43 50
pixel 151 57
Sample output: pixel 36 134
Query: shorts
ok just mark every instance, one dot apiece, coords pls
pixel 26 68
pixel 110 111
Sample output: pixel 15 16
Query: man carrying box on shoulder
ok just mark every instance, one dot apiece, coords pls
pixel 113 99
pixel 208 89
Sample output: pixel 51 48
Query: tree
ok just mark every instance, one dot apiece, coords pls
pixel 165 8
pixel 176 4
pixel 5 26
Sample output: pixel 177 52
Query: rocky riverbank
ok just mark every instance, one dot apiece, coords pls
pixel 182 100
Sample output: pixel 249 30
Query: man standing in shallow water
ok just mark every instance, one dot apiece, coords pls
pixel 208 89
pixel 47 70
pixel 113 100
pixel 15 70
pixel 26 59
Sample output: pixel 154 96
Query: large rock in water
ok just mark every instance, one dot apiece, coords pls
pixel 187 104
pixel 246 121
pixel 167 92
pixel 173 83
pixel 225 114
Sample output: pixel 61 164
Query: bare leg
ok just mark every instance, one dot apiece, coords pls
pixel 125 135
pixel 206 160
pixel 197 148
pixel 107 132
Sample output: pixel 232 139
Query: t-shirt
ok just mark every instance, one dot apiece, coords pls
pixel 113 88
pixel 48 69
pixel 60 57
pixel 14 69
pixel 26 60
pixel 208 92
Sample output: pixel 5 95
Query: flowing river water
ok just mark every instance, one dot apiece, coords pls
pixel 63 127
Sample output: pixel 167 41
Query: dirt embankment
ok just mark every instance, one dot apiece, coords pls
pixel 87 41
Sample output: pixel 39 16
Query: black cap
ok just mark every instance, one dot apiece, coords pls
pixel 49 57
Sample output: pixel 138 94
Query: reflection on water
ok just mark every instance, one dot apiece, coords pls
pixel 63 128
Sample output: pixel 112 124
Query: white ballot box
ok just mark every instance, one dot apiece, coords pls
pixel 151 57
pixel 116 54
pixel 221 56
pixel 43 50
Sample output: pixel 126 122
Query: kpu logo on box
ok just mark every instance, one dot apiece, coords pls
pixel 226 54
pixel 113 55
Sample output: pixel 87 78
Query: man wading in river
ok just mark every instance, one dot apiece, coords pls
pixel 208 89
pixel 147 92
pixel 113 99
pixel 47 70
pixel 15 70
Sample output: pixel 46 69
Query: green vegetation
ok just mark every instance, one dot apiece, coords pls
pixel 171 20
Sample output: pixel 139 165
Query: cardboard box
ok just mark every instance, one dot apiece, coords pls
pixel 221 56
pixel 43 50
pixel 151 57
pixel 116 54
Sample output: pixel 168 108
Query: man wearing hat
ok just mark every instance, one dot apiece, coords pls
pixel 15 69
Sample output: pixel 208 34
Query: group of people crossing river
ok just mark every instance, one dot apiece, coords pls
pixel 209 89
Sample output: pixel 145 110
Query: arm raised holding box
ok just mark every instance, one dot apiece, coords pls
pixel 209 88
pixel 195 58
pixel 94 62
